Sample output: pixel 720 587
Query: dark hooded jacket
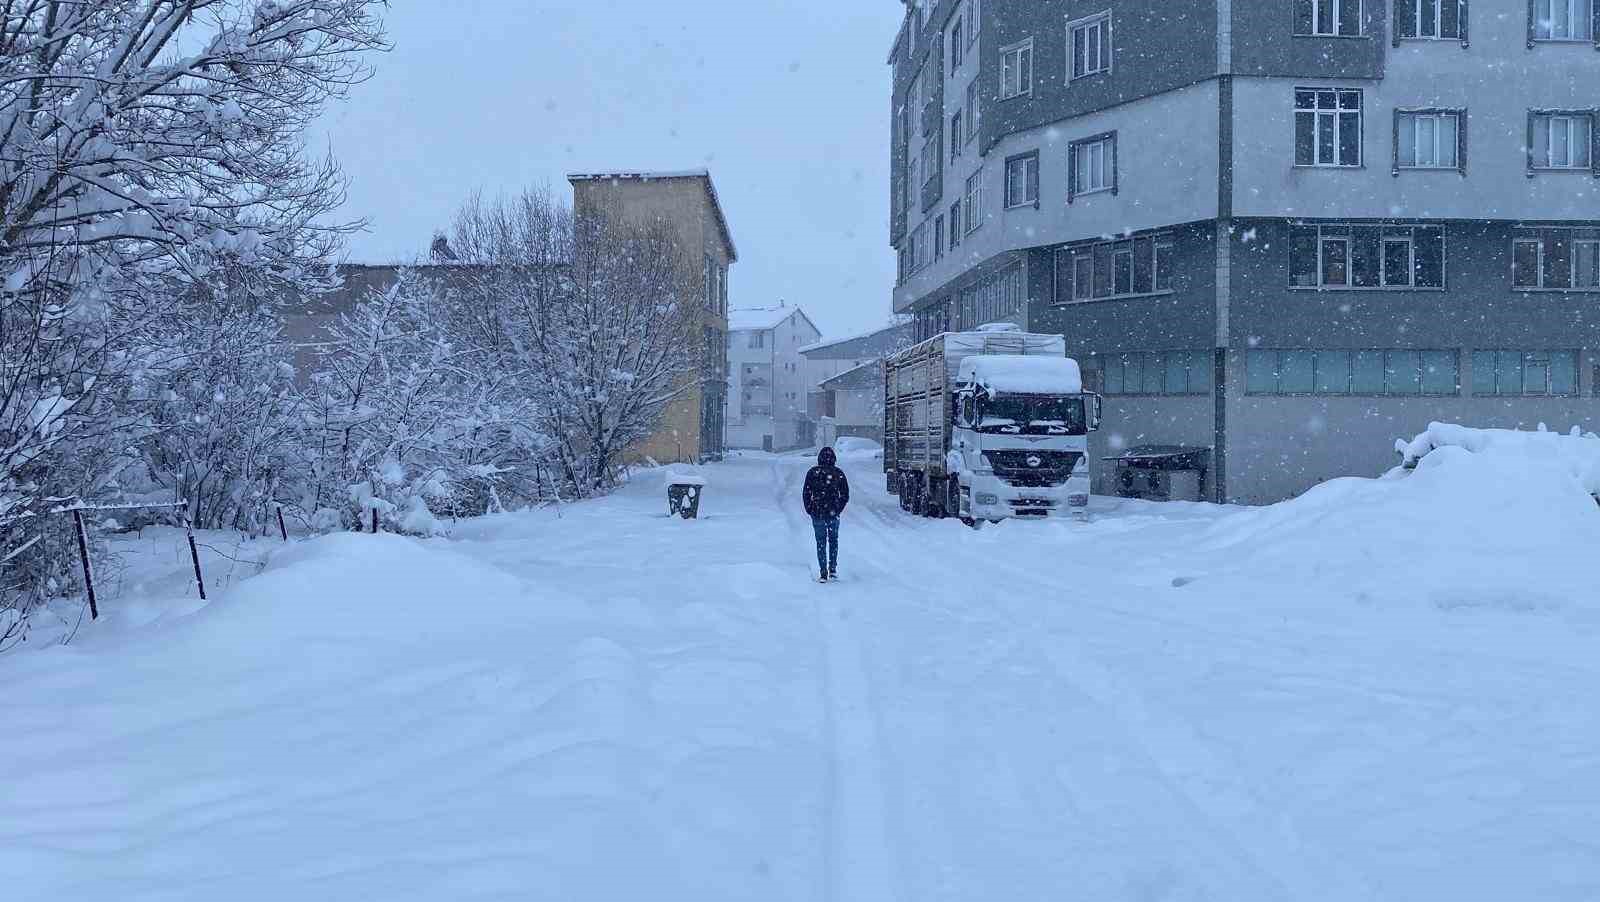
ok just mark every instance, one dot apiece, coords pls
pixel 827 491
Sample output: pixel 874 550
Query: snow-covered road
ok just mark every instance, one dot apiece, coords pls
pixel 602 703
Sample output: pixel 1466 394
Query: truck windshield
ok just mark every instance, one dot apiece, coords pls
pixel 1032 415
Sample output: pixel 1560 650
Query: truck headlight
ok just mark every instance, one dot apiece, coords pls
pixel 986 498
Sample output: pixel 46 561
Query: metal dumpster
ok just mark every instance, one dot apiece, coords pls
pixel 1162 472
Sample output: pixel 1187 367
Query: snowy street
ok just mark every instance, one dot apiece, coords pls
pixel 602 703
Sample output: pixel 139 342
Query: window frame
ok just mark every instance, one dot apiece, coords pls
pixel 1023 89
pixel 974 99
pixel 1196 360
pixel 1463 9
pixel 1593 20
pixel 1337 114
pixel 1079 286
pixel 1075 148
pixel 956 231
pixel 1030 180
pixel 1524 355
pixel 957 123
pixel 1540 236
pixel 1592 114
pixel 958 45
pixel 972 203
pixel 1337 7
pixel 1350 255
pixel 1351 372
pixel 1460 114
pixel 1100 21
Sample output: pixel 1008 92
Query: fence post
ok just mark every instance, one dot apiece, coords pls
pixel 282 530
pixel 194 555
pixel 88 571
pixel 374 521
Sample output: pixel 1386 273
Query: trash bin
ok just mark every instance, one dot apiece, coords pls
pixel 683 495
pixel 1162 472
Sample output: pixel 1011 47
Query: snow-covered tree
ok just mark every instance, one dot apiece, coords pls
pixel 138 137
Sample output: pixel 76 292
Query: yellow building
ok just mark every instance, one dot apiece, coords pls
pixel 692 428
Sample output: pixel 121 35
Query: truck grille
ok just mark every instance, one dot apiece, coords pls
pixel 1017 466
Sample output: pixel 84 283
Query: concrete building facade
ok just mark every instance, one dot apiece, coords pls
pixel 766 378
pixel 694 425
pixel 1289 232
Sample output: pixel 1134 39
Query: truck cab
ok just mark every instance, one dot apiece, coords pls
pixel 1019 437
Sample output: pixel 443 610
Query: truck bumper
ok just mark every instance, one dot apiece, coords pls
pixel 993 499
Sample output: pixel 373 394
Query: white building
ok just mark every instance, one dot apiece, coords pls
pixel 767 384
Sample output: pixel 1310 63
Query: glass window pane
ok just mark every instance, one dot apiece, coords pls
pixel 1509 369
pixel 1426 136
pixel 1563 373
pixel 1525 264
pixel 1396 262
pixel 1439 375
pixel 1429 20
pixel 1102 271
pixel 1335 261
pixel 1541 140
pixel 1303 256
pixel 1366 376
pixel 1408 140
pixel 1200 366
pixel 1325 139
pixel 1155 373
pixel 1582 127
pixel 1333 372
pixel 1402 373
pixel 1305 126
pixel 1560 141
pixel 1164 265
pixel 1295 370
pixel 1586 264
pixel 1558 260
pixel 1349 139
pixel 1177 373
pixel 1364 257
pixel 1132 373
pixel 1143 266
pixel 1536 374
pixel 1122 263
pixel 1447 140
pixel 1305 100
pixel 1483 372
pixel 1427 248
pixel 1261 372
pixel 1082 276
pixel 1450 19
pixel 1113 374
pixel 1405 18
pixel 1350 17
pixel 1325 22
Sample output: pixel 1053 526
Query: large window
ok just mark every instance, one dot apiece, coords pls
pixel 938 237
pixel 1561 139
pixel 930 160
pixel 1157 373
pixel 1556 259
pixel 1016 70
pixel 958 46
pixel 1022 180
pixel 1327 127
pixel 1366 256
pixel 1108 269
pixel 1524 372
pixel 972 203
pixel 1429 139
pixel 1421 19
pixel 1091 45
pixel 956 136
pixel 997 297
pixel 1328 18
pixel 973 111
pixel 1563 20
pixel 973 21
pixel 955 225
pixel 1092 165
pixel 1352 372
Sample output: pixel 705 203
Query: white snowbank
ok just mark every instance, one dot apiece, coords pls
pixel 1486 519
pixel 1024 375
pixel 851 447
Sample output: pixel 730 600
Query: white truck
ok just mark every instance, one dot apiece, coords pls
pixel 988 425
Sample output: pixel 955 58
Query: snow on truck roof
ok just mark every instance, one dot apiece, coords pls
pixel 1024 375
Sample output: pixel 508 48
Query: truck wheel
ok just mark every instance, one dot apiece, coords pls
pixel 919 497
pixel 937 496
pixel 905 492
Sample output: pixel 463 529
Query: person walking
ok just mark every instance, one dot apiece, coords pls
pixel 826 493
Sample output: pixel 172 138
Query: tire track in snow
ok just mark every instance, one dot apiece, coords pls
pixel 860 863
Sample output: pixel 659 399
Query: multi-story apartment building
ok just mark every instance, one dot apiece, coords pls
pixel 854 404
pixel 693 426
pixel 1287 230
pixel 766 378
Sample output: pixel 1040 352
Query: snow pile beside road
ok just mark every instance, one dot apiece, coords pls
pixel 849 447
pixel 1487 519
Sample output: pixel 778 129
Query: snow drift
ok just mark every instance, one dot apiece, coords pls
pixel 1476 518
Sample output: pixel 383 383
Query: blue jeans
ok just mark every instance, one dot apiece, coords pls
pixel 827 530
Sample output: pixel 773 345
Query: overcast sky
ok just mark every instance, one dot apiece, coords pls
pixel 785 101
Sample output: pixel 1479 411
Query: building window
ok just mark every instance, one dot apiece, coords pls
pixel 1366 256
pixel 1108 269
pixel 1416 19
pixel 1430 139
pixel 973 112
pixel 1022 180
pixel 921 247
pixel 1327 127
pixel 957 46
pixel 1016 70
pixel 972 203
pixel 1561 139
pixel 1563 20
pixel 1352 372
pixel 1092 165
pixel 1091 45
pixel 955 224
pixel 956 137
pixel 938 237
pixel 972 22
pixel 930 161
pixel 757 340
pixel 1524 373
pixel 1328 18
pixel 1157 373
pixel 1556 259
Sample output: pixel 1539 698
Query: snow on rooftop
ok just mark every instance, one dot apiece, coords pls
pixel 758 318
pixel 830 342
pixel 1008 374
pixel 640 174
